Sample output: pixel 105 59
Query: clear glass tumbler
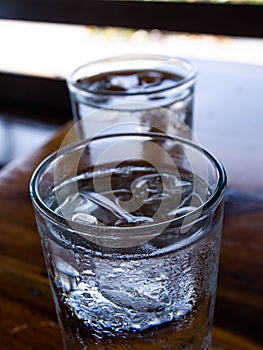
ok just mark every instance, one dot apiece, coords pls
pixel 130 226
pixel 133 93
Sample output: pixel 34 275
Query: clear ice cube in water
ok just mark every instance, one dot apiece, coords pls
pixel 127 295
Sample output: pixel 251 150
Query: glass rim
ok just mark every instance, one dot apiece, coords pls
pixel 188 79
pixel 39 203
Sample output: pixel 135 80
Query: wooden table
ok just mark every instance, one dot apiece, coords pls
pixel 28 319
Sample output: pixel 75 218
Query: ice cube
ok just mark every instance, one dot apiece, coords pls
pixel 85 218
pixel 66 275
pixel 122 216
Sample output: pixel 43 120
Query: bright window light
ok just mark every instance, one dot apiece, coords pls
pixel 54 50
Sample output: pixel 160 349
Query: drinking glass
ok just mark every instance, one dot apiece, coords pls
pixel 133 93
pixel 130 226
